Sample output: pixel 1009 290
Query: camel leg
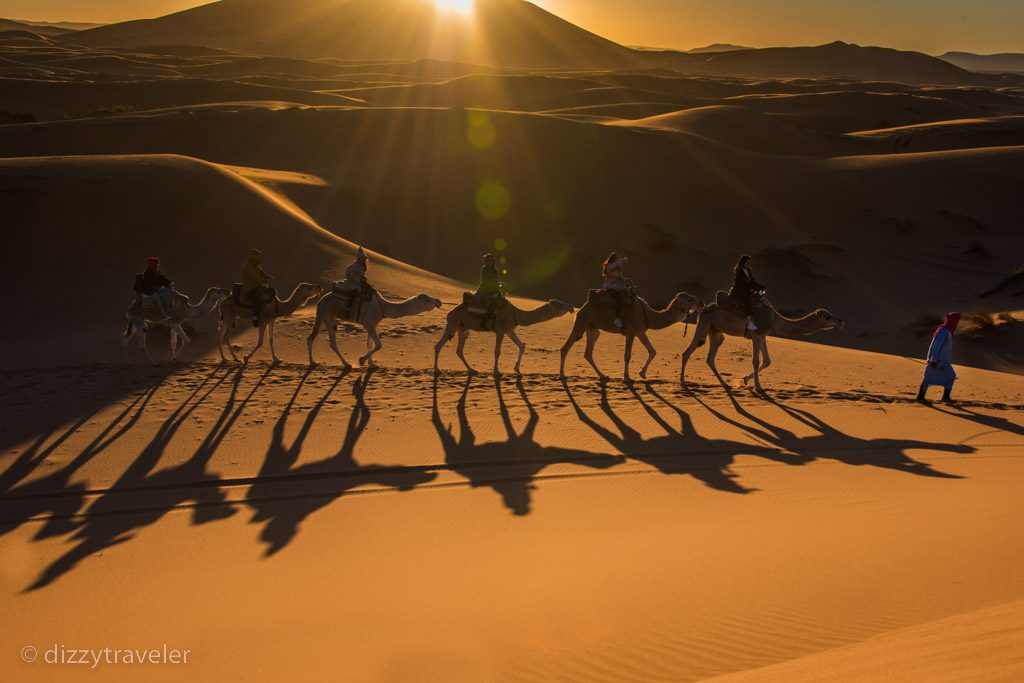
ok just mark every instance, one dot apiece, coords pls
pixel 332 336
pixel 716 342
pixel 760 348
pixel 229 326
pixel 766 360
pixel 651 353
pixel 273 352
pixel 373 345
pixel 522 349
pixel 221 333
pixel 700 337
pixel 592 334
pixel 312 336
pixel 574 336
pixel 259 343
pixel 461 348
pixel 142 342
pixel 174 345
pixel 185 339
pixel 129 331
pixel 449 332
pixel 499 337
pixel 627 356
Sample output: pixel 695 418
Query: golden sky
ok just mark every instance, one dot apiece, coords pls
pixel 932 26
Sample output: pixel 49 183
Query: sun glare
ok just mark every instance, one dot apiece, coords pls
pixel 462 6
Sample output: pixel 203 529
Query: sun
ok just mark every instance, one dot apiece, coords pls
pixel 461 6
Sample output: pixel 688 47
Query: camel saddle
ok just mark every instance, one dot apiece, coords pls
pixel 608 299
pixel 355 298
pixel 269 294
pixel 759 309
pixel 480 305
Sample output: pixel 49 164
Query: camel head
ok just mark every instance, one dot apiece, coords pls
pixel 825 321
pixel 560 307
pixel 307 291
pixel 217 294
pixel 429 302
pixel 685 302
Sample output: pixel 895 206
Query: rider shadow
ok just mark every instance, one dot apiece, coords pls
pixel 680 450
pixel 139 499
pixel 508 467
pixel 830 443
pixel 282 496
pixel 995 424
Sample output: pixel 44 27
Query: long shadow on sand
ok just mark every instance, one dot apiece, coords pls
pixel 284 495
pixel 680 450
pixel 830 443
pixel 990 422
pixel 139 498
pixel 509 467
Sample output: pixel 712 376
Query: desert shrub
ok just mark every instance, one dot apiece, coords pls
pixel 978 250
pixel 980 322
pixel 7 116
pixel 111 110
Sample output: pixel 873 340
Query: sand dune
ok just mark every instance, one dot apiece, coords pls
pixel 141 211
pixel 999 131
pixel 749 129
pixel 54 101
pixel 985 646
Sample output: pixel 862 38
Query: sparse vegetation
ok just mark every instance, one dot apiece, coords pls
pixel 978 250
pixel 979 322
pixel 112 110
pixel 7 116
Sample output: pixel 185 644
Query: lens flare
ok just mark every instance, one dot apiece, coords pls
pixel 462 6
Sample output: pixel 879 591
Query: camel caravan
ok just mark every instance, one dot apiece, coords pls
pixel 615 309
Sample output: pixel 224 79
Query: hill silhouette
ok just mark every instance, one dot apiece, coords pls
pixel 510 33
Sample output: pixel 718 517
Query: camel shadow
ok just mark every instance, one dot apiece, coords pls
pixel 54 497
pixel 283 495
pixel 830 443
pixel 140 498
pixel 680 450
pixel 508 467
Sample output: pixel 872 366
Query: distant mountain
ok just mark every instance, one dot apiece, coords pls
pixel 499 33
pixel 716 47
pixel 12 25
pixel 66 25
pixel 835 60
pixel 511 33
pixel 1008 62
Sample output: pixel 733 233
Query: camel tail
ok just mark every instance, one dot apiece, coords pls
pixel 128 329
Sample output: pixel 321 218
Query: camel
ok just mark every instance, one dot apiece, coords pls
pixel 593 319
pixel 331 309
pixel 270 311
pixel 505 322
pixel 181 311
pixel 716 322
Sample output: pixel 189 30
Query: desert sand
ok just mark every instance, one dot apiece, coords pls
pixel 285 521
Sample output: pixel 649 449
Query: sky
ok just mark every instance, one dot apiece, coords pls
pixel 931 26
